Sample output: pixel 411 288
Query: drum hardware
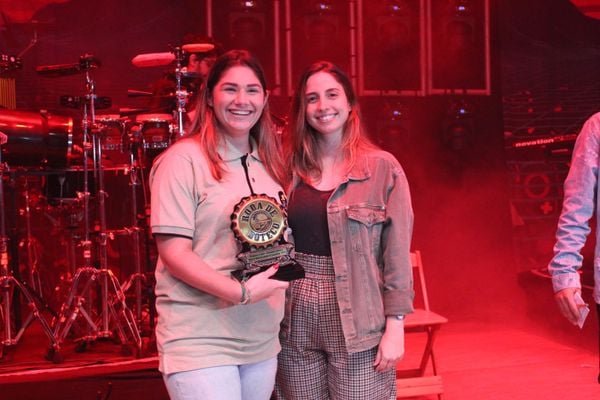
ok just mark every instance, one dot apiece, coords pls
pixel 9 63
pixel 281 123
pixel 28 243
pixel 74 237
pixel 128 112
pixel 86 62
pixel 8 285
pixel 180 94
pixel 136 180
pixel 32 250
pixel 177 55
pixel 33 40
pixel 67 222
pixel 138 93
pixel 101 102
pixel 166 58
pixel 141 93
pixel 111 298
pixel 138 280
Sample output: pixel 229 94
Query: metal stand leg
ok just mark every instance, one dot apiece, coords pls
pixel 137 280
pixel 113 313
pixel 8 285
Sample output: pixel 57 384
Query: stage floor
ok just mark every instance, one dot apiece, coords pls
pixel 103 369
pixel 477 361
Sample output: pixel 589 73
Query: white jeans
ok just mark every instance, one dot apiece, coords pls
pixel 230 382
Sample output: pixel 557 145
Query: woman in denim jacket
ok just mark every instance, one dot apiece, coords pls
pixel 351 219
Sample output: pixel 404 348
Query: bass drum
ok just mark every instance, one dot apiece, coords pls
pixel 36 139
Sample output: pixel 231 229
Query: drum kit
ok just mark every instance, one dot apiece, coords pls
pixel 56 170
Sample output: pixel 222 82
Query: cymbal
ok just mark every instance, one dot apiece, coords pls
pixel 153 59
pixel 198 47
pixel 86 62
pixel 127 112
pixel 141 93
pixel 138 93
pixel 147 117
pixel 58 70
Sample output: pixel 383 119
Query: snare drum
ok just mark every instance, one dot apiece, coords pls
pixel 36 138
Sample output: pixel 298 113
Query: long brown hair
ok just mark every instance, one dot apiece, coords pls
pixel 302 146
pixel 204 125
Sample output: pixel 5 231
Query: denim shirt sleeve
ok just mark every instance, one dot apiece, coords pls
pixel 578 207
pixel 398 293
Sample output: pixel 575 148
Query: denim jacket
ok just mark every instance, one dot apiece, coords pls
pixel 370 221
pixel 581 200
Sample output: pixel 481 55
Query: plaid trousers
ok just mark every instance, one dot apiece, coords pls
pixel 314 363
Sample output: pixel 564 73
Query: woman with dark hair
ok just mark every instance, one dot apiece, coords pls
pixel 351 219
pixel 217 336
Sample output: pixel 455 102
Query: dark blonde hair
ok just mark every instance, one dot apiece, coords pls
pixel 302 146
pixel 205 124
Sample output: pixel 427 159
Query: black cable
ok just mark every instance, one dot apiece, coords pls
pixel 244 159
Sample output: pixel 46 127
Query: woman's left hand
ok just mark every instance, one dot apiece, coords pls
pixel 391 346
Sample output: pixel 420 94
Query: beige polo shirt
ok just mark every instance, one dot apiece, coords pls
pixel 195 329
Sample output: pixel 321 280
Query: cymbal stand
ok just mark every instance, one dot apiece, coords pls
pixel 112 300
pixel 137 280
pixel 180 93
pixel 67 223
pixel 70 223
pixel 8 284
pixel 28 243
pixel 31 246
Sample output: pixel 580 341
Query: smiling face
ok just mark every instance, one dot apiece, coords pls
pixel 238 100
pixel 327 106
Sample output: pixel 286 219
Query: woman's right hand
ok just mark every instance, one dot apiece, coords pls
pixel 261 286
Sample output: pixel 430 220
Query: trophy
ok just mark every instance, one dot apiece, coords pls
pixel 259 223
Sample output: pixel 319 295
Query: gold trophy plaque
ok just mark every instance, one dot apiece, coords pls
pixel 259 223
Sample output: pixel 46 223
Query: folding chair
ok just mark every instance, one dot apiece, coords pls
pixel 415 382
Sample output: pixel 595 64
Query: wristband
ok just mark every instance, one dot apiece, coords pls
pixel 245 294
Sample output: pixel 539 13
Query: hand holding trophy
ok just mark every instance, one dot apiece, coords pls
pixel 259 223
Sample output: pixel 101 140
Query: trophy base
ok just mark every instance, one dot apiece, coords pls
pixel 286 272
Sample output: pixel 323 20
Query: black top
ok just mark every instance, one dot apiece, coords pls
pixel 307 216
